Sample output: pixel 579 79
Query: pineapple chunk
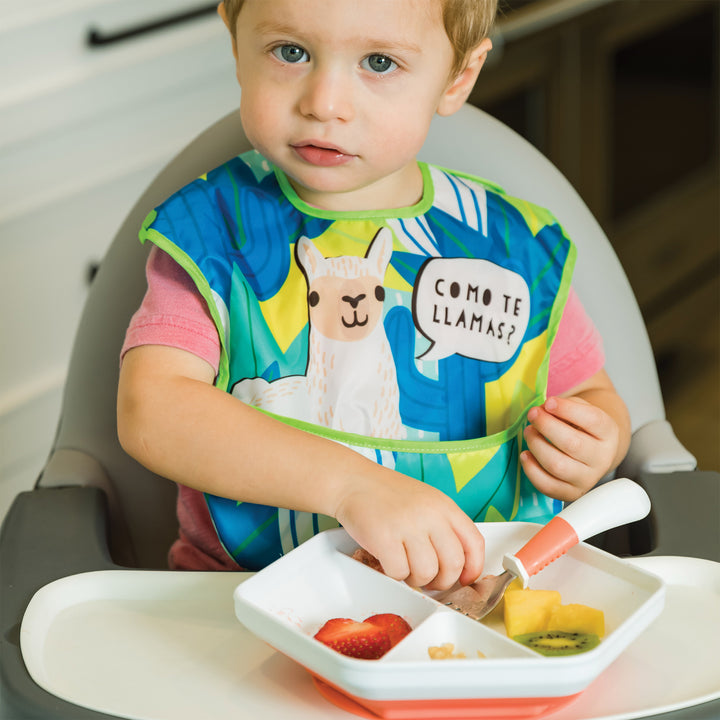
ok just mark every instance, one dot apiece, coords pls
pixel 529 611
pixel 516 584
pixel 498 611
pixel 577 618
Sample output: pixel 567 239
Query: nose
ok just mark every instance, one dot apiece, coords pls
pixel 354 301
pixel 326 96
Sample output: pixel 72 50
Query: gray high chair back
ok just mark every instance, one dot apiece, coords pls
pixel 96 508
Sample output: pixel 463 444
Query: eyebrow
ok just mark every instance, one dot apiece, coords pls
pixel 393 45
pixel 272 26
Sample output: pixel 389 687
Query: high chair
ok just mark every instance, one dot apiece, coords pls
pixel 94 508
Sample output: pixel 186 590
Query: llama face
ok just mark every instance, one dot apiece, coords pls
pixel 343 309
pixel 345 294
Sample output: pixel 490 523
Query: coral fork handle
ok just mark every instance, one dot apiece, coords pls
pixel 606 506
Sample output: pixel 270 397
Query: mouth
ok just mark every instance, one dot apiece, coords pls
pixel 355 322
pixel 321 154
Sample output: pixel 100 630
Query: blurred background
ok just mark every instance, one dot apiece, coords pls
pixel 623 97
pixel 97 95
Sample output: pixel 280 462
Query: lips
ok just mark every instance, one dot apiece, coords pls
pixel 321 155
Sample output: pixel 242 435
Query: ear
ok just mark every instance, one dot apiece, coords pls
pixel 459 89
pixel 308 256
pixel 221 12
pixel 380 250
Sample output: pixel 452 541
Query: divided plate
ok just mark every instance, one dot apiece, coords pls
pixel 287 602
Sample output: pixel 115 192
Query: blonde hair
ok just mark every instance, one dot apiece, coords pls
pixel 467 23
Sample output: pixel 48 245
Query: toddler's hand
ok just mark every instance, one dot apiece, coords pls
pixel 571 445
pixel 416 532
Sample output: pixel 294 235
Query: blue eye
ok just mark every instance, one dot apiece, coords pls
pixel 380 64
pixel 290 54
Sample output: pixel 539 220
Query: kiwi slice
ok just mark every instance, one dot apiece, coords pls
pixel 556 642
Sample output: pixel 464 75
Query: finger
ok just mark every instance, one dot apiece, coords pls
pixel 553 459
pixel 393 559
pixel 548 484
pixel 422 560
pixel 473 544
pixel 580 413
pixel 568 439
pixel 451 559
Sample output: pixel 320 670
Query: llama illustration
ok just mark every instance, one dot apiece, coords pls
pixel 350 383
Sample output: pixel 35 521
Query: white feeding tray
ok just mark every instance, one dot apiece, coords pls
pixel 286 604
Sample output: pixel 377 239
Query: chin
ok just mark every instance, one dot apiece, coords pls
pixel 329 185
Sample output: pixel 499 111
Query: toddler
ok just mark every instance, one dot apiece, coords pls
pixel 335 332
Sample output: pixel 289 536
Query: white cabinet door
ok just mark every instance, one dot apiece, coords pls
pixel 83 130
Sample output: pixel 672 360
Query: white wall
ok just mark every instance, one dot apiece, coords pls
pixel 82 132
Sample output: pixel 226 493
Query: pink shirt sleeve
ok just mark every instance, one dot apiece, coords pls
pixel 173 313
pixel 577 353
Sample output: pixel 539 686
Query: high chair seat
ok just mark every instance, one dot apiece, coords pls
pixel 95 508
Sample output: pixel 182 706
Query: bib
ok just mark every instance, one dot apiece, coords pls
pixel 418 337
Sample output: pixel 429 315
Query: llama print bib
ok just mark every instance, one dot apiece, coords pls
pixel 419 339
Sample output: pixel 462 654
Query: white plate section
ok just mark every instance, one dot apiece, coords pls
pixel 167 646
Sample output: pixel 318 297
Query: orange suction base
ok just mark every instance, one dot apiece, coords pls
pixel 458 709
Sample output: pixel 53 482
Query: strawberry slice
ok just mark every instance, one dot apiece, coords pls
pixel 355 639
pixel 395 626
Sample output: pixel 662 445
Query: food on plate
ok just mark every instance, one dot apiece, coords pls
pixel 498 612
pixel 556 643
pixel 368 640
pixel 516 584
pixel 528 611
pixel 354 639
pixel 363 556
pixel 397 628
pixel 446 651
pixel 576 618
pixel 538 619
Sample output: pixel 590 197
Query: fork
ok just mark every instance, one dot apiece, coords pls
pixel 606 506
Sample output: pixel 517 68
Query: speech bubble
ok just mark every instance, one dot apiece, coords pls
pixel 470 307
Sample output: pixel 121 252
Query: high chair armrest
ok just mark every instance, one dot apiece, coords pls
pixel 68 468
pixel 47 534
pixel 655 449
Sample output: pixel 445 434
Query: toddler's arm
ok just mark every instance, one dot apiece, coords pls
pixel 577 438
pixel 175 422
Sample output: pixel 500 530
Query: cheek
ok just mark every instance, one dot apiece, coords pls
pixel 376 308
pixel 402 133
pixel 259 113
pixel 325 319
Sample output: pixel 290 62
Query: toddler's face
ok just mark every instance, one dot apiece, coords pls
pixel 340 93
